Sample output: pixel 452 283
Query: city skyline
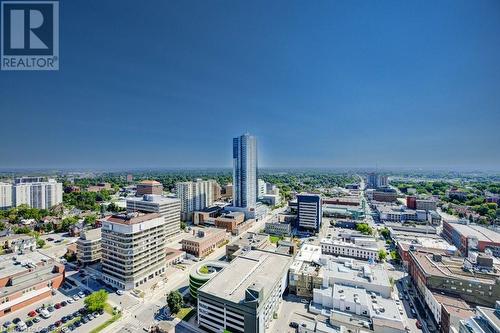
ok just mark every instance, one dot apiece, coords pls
pixel 329 84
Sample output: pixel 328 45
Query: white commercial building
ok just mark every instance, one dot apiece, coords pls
pixel 5 195
pixel 360 248
pixel 133 249
pixel 37 193
pixel 169 208
pixel 195 196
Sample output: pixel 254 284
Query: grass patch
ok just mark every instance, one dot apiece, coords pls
pixel 275 239
pixel 108 309
pixel 185 313
pixel 107 323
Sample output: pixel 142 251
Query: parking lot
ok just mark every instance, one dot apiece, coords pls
pixel 61 310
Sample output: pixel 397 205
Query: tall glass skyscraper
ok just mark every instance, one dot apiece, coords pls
pixel 245 171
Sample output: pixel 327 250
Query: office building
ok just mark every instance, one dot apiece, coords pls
pixel 133 249
pixel 230 221
pixel 149 187
pixel 88 246
pixel 37 192
pixel 245 171
pixel 5 196
pixel 411 202
pixel 309 211
pixel 357 248
pixel 244 296
pixel 473 237
pixel 26 279
pixel 204 242
pixel 195 196
pixel 169 208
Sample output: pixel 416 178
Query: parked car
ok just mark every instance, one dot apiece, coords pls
pixel 76 298
pixel 36 319
pixel 7 324
pixel 57 306
pixel 294 324
pixel 50 309
pixel 16 320
pixel 51 327
pixel 32 314
pixel 78 323
pixel 45 314
pixel 29 323
pixel 64 303
pixel 81 294
pixel 58 323
pixel 21 326
pixel 119 292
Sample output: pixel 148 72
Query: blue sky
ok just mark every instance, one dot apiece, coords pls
pixel 320 83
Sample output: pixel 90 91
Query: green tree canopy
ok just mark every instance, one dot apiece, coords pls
pixel 96 300
pixel 174 301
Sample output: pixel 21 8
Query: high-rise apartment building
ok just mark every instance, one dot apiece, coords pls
pixel 195 196
pixel 169 208
pixel 245 171
pixel 375 180
pixel 133 249
pixel 37 192
pixel 5 195
pixel 88 246
pixel 261 188
pixel 309 212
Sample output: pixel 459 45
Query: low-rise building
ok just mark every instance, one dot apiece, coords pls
pixel 230 221
pixel 18 243
pixel 279 229
pixel 203 242
pixel 174 256
pixel 473 237
pixel 475 283
pixel 244 297
pixel 385 195
pixel 485 320
pixel 357 309
pixel 359 248
pixel 250 241
pixel 26 279
pixel 88 246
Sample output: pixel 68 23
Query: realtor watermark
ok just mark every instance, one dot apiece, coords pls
pixel 30 35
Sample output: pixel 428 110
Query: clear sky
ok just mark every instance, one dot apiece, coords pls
pixel 320 83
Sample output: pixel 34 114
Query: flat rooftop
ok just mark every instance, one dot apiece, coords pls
pixel 355 271
pixel 450 267
pixel 256 266
pixel 131 218
pixel 347 244
pixel 480 232
pixel 91 234
pixel 156 198
pixel 9 266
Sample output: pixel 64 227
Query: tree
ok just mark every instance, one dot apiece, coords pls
pixel 90 219
pixel 174 301
pixel 382 254
pixel 183 225
pixel 40 243
pixel 364 228
pixel 385 233
pixel 96 301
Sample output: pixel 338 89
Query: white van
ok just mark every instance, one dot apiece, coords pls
pixel 21 326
